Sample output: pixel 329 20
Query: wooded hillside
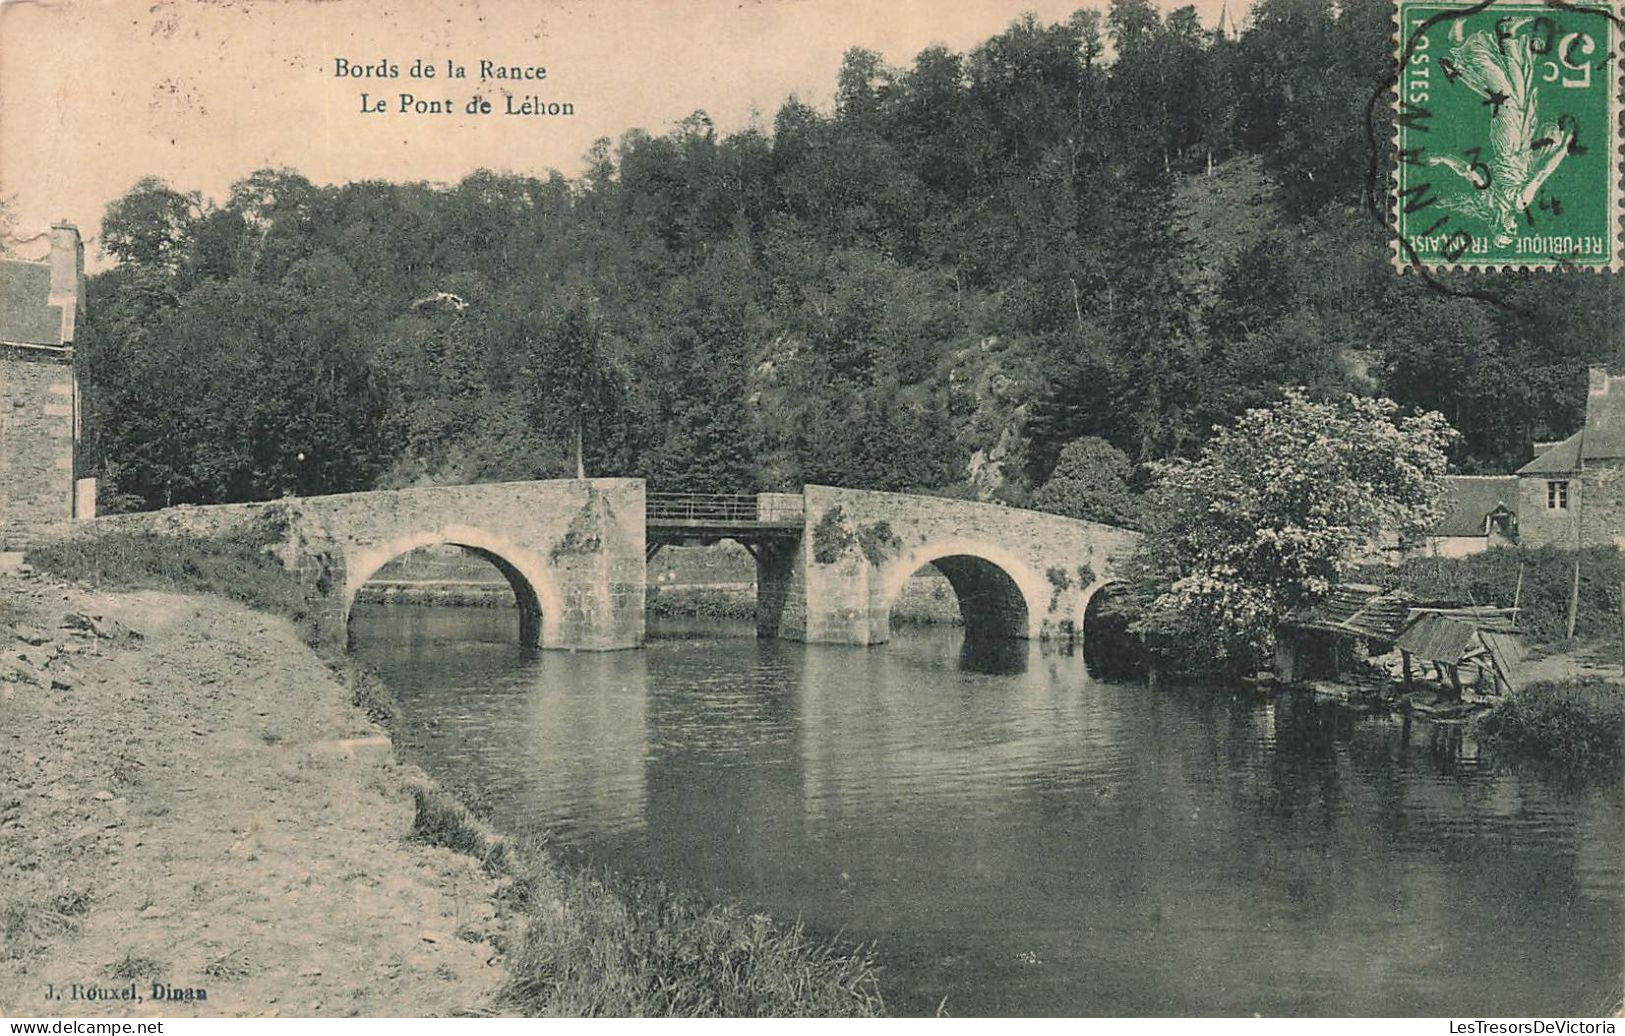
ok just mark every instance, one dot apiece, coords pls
pixel 1119 226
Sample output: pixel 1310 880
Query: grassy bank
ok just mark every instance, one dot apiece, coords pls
pixel 587 944
pixel 1492 578
pixel 235 567
pixel 437 595
pixel 1576 725
pixel 602 945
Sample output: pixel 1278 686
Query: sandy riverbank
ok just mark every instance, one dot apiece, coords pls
pixel 204 808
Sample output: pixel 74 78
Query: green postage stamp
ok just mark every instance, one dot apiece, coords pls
pixel 1507 135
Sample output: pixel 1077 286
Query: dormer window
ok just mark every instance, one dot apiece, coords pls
pixel 1557 496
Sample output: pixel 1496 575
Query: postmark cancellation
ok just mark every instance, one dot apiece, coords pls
pixel 1507 135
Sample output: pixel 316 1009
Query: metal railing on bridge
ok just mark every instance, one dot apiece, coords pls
pixel 723 508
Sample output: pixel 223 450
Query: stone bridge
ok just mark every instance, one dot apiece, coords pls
pixel 1016 573
pixel 830 562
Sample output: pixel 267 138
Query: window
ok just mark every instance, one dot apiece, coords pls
pixel 1557 496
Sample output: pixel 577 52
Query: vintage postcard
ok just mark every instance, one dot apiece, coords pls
pixel 811 508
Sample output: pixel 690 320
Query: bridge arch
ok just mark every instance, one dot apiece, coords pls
pixel 1110 647
pixel 534 591
pixel 998 594
pixel 1090 597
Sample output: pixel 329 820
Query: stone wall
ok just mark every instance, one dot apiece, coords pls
pixel 1540 526
pixel 1604 512
pixel 37 429
pixel 1596 502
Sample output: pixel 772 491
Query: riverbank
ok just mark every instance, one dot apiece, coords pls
pixel 548 939
pixel 202 807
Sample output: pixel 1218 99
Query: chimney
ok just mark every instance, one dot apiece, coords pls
pixel 1599 381
pixel 67 275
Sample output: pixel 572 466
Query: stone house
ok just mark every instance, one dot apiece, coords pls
pixel 40 305
pixel 1573 493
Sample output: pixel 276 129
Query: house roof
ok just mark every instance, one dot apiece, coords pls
pixel 1562 459
pixel 26 317
pixel 1469 499
pixel 1437 638
pixel 1356 610
pixel 1604 436
pixel 1452 638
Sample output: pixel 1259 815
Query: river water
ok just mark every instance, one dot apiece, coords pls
pixel 1022 839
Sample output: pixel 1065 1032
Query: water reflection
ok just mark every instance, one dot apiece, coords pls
pixel 993 655
pixel 1021 838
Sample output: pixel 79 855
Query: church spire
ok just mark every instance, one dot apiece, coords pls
pixel 1226 28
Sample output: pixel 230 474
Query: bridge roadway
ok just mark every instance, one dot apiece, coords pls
pixel 831 562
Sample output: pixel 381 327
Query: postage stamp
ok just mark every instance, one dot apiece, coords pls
pixel 1507 135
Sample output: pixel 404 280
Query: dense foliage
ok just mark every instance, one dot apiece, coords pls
pixel 1092 481
pixel 1120 227
pixel 1539 580
pixel 1272 513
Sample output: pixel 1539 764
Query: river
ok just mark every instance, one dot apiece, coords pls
pixel 1019 838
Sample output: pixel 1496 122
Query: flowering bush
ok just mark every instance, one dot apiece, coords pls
pixel 1271 515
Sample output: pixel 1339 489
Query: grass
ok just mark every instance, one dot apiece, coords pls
pixel 453 596
pixel 701 602
pixel 367 692
pixel 1576 725
pixel 25 925
pixel 235 567
pixel 131 966
pixel 442 820
pixel 644 950
pixel 601 946
pixel 591 945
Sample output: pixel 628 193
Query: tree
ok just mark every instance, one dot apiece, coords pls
pixel 150 224
pixel 1091 482
pixel 578 379
pixel 1271 514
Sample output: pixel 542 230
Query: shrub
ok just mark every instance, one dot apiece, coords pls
pixel 442 820
pixel 1271 514
pixel 1576 724
pixel 831 538
pixel 1091 481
